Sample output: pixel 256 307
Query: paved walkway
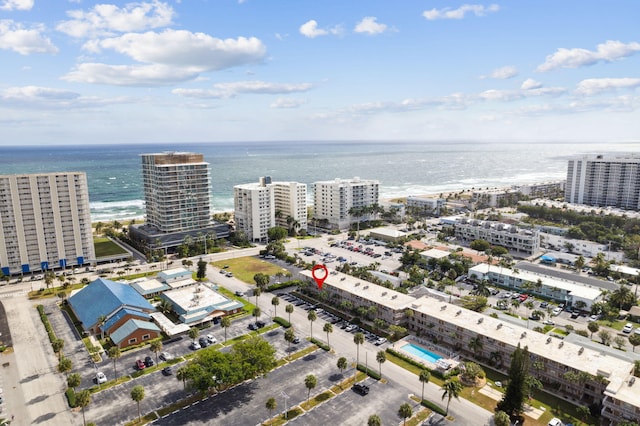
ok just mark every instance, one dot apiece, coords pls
pixel 529 411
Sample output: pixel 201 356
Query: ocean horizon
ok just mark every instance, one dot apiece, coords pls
pixel 402 167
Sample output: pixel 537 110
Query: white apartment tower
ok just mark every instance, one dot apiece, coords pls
pixel 600 180
pixel 177 189
pixel 45 222
pixel 290 204
pixel 334 198
pixel 254 211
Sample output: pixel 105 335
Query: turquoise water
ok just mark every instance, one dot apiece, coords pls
pixel 420 352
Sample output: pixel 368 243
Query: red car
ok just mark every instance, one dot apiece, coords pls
pixel 524 297
pixel 140 364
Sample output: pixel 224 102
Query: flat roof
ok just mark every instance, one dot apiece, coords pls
pixel 174 272
pixel 435 253
pixel 187 282
pixel 199 297
pixel 146 286
pixel 367 290
pixel 562 274
pixel 616 370
pixel 575 289
pixel 388 232
pixel 627 270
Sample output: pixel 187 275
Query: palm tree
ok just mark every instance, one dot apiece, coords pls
pixel 475 344
pixel 405 412
pixel 289 310
pixel 381 357
pixel 257 292
pixel 183 374
pixel 358 339
pixel 257 312
pixel 225 322
pixel 342 364
pixel 482 289
pixel 424 378
pixel 311 317
pixel 289 335
pixel 275 301
pixel 156 346
pixel 137 394
pixel 57 346
pixel 102 319
pixel 165 306
pixel 452 389
pixel 328 328
pixel 83 399
pixel 374 420
pixel 74 380
pixel 65 365
pixel 310 382
pixel 271 405
pixel 114 354
pixel 193 333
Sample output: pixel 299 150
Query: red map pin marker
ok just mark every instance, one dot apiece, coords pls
pixel 319 280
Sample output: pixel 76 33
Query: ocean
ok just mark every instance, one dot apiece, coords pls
pixel 403 168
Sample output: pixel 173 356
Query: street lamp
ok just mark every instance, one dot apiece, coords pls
pixel 286 397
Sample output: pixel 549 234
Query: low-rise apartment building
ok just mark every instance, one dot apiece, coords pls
pixel 520 242
pixel 424 205
pixel 541 189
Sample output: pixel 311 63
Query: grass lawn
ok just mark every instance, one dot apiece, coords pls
pixel 105 247
pixel 244 268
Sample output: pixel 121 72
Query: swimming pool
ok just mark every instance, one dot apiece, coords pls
pixel 421 353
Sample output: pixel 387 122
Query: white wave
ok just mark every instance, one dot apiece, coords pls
pixel 99 205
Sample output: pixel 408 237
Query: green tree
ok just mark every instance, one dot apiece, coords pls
pixel 277 233
pixel 74 380
pixel 83 399
pixel 289 335
pixel 193 333
pixel 114 354
pixel 225 322
pixel 605 337
pixel 57 346
pixel 102 319
pixel 275 301
pixel 65 365
pixel 255 356
pixel 271 405
pixel 183 374
pixel 156 347
pixel 202 269
pixel 262 280
pixel 381 357
pixel 634 340
pixel 257 292
pixel 404 412
pixel 619 342
pixel 451 389
pixel 137 394
pixel 289 309
pixel 310 382
pixel 342 364
pixel 512 402
pixel 328 328
pixel 424 377
pixel 358 339
pixel 165 306
pixel 257 312
pixel 501 419
pixel 311 316
pixel 374 420
pixel 480 245
pixel 593 327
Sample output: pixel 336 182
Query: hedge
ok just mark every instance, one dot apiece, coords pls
pixel 46 323
pixel 320 344
pixel 283 322
pixel 369 372
pixel 285 284
pixel 71 397
pixel 434 407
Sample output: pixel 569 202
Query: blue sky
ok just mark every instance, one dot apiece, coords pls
pixel 80 72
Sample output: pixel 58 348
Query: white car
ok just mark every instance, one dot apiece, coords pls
pixel 555 422
pixel 166 356
pixel 100 377
pixel 212 339
pixel 556 311
pixel 628 328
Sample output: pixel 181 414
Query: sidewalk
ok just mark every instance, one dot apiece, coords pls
pixel 529 411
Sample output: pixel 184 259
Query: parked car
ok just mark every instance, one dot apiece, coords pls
pixel 380 341
pixel 556 311
pixel 628 328
pixel 295 340
pixel 555 422
pixel 194 346
pixel 239 293
pixel 544 304
pixel 140 364
pixel 203 342
pixel 167 371
pixel 166 356
pixel 100 377
pixel 361 389
pixel 594 318
pixel 229 274
pixel 148 362
pixel 211 339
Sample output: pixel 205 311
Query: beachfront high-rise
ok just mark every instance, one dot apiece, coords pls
pixel 265 204
pixel 177 189
pixel 599 180
pixel 45 222
pixel 333 199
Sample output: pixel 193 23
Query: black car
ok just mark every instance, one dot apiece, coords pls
pixel 260 324
pixel 544 304
pixel 295 340
pixel 148 361
pixel 253 326
pixel 203 342
pixel 167 371
pixel 361 389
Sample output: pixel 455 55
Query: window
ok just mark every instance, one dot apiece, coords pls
pixel 132 341
pixel 146 337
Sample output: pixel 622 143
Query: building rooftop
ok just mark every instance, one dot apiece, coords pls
pixel 129 327
pixel 146 286
pixel 372 292
pixel 616 370
pixel 174 273
pixel 198 298
pixel 103 297
pixel 388 232
pixel 435 253
pixel 565 275
pixel 121 314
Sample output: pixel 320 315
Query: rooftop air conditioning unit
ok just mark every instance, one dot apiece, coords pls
pixel 580 351
pixel 523 335
pixel 499 326
pixel 480 320
pixel 548 339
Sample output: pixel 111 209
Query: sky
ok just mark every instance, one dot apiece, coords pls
pixel 85 72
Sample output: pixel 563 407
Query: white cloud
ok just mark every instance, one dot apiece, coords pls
pixel 310 29
pixel 530 83
pixel 229 90
pixel 107 19
pixel 13 36
pixel 16 4
pixel 196 51
pixel 459 13
pixel 31 97
pixel 594 86
pixel 129 75
pixel 370 26
pixel 502 73
pixel 287 103
pixel 500 95
pixel 574 58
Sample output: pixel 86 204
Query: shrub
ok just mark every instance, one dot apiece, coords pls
pixel 369 372
pixel 434 407
pixel 283 322
pixel 273 287
pixel 320 344
pixel 582 333
pixel 71 397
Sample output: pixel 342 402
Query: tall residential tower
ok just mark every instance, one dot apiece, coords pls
pixel 45 222
pixel 334 198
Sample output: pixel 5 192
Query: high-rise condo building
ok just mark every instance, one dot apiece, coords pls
pixel 45 222
pixel 265 204
pixel 177 195
pixel 334 198
pixel 600 180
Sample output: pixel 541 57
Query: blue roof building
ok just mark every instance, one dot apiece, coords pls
pixel 134 332
pixel 104 297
